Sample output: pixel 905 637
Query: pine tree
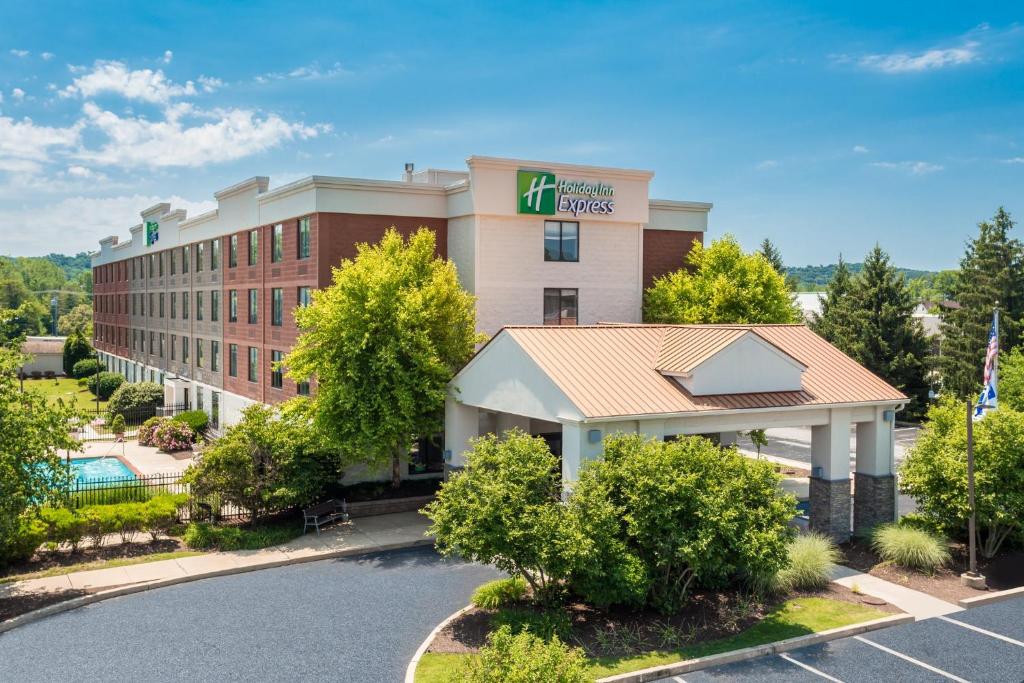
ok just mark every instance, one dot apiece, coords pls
pixel 773 256
pixel 836 320
pixel 991 272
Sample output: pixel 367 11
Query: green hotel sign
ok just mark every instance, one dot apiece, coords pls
pixel 543 193
pixel 152 232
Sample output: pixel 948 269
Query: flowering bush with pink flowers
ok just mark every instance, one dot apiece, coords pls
pixel 148 429
pixel 171 435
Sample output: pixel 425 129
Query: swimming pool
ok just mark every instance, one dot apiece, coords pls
pixel 91 469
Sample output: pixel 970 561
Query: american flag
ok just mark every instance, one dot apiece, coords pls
pixel 987 400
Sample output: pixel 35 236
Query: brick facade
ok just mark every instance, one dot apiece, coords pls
pixel 874 502
pixel 665 251
pixel 830 508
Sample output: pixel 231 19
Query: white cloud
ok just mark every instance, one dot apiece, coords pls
pixel 310 72
pixel 20 53
pixel 140 84
pixel 209 83
pixel 25 146
pixel 1013 160
pixel 908 62
pixel 860 149
pixel 911 167
pixel 18 94
pixel 168 56
pixel 767 164
pixel 77 223
pixel 47 56
pixel 226 134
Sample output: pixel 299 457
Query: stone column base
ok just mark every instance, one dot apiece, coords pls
pixel 874 501
pixel 830 508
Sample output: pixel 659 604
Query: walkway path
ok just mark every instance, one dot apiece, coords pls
pixel 921 605
pixel 364 535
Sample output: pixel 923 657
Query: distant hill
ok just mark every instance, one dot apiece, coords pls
pixel 71 265
pixel 814 278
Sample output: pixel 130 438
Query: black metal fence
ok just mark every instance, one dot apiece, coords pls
pixel 100 427
pixel 105 491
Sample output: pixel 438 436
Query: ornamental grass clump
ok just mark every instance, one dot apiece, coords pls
pixel 811 557
pixel 499 593
pixel 910 548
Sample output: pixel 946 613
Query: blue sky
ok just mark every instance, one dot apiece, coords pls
pixel 827 130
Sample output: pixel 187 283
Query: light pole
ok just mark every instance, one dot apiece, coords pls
pixel 971 577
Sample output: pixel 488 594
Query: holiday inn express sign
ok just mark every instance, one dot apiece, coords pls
pixel 543 193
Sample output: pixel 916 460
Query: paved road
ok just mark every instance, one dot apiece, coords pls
pixel 342 620
pixel 980 644
pixel 795 443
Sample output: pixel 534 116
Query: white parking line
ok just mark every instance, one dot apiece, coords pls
pixel 990 634
pixel 907 658
pixel 678 679
pixel 807 667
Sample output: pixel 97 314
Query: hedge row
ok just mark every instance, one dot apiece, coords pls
pixel 156 516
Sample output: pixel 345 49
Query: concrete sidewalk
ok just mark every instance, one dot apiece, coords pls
pixel 921 605
pixel 364 535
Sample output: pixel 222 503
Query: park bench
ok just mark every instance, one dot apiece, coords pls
pixel 324 513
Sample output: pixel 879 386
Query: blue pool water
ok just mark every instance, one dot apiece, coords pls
pixel 91 469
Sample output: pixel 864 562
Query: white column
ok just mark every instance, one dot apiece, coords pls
pixel 572 436
pixel 876 454
pixel 461 423
pixel 507 421
pixel 830 447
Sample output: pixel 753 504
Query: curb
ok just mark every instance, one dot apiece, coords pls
pixel 989 598
pixel 410 671
pixel 689 665
pixel 82 601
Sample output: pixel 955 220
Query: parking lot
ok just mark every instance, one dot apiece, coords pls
pixel 980 644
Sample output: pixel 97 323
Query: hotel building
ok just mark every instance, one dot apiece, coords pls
pixel 203 304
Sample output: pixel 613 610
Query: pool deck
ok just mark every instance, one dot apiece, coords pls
pixel 144 460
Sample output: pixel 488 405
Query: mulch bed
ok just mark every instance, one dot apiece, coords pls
pixel 44 559
pixel 707 616
pixel 13 606
pixel 1002 572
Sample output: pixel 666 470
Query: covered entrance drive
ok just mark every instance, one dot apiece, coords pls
pixel 662 381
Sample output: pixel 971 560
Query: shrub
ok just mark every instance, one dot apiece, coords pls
pixel 20 546
pixel 196 419
pixel 204 536
pixel 148 428
pixel 76 349
pixel 544 623
pixel 87 367
pixel 63 526
pixel 523 658
pixel 98 521
pixel 500 593
pixel 170 436
pixel 909 547
pixel 811 557
pixel 136 400
pixel 129 520
pixel 117 425
pixel 160 513
pixel 104 384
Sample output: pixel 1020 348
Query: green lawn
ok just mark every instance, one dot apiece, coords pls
pixel 68 390
pixel 99 564
pixel 793 618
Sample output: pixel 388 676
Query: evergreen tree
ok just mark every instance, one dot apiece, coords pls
pixel 835 322
pixel 773 256
pixel 991 272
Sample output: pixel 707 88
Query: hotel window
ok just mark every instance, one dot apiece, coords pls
pixel 174 345
pixel 161 299
pixel 560 306
pixel 276 306
pixel 303 296
pixel 174 305
pixel 233 360
pixel 174 261
pixel 215 409
pixel 214 355
pixel 232 251
pixel 561 241
pixel 184 305
pixel 152 308
pixel 152 265
pixel 160 261
pixel 304 238
pixel 199 305
pixel 277 244
pixel 254 308
pixel 254 246
pixel 161 344
pixel 215 305
pixel 276 373
pixel 199 398
pixel 254 363
pixel 199 353
pixel 184 259
pixel 233 306
pixel 214 254
pixel 302 388
pixel 184 349
pixel 152 343
pixel 200 255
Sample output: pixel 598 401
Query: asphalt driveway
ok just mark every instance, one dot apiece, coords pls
pixel 344 620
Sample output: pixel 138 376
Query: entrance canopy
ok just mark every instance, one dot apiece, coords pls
pixel 667 380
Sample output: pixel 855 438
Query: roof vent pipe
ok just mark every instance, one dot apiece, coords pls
pixel 407 176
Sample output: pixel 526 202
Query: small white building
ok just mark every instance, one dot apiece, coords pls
pixel 575 385
pixel 46 356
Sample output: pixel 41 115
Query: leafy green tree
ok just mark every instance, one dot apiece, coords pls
pixel 689 513
pixel 32 472
pixel 383 341
pixel 136 400
pixel 934 473
pixel 270 460
pixel 76 348
pixel 76 321
pixel 505 509
pixel 721 285
pixel 1011 379
pixel 991 272
pixel 25 320
pixel 13 292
